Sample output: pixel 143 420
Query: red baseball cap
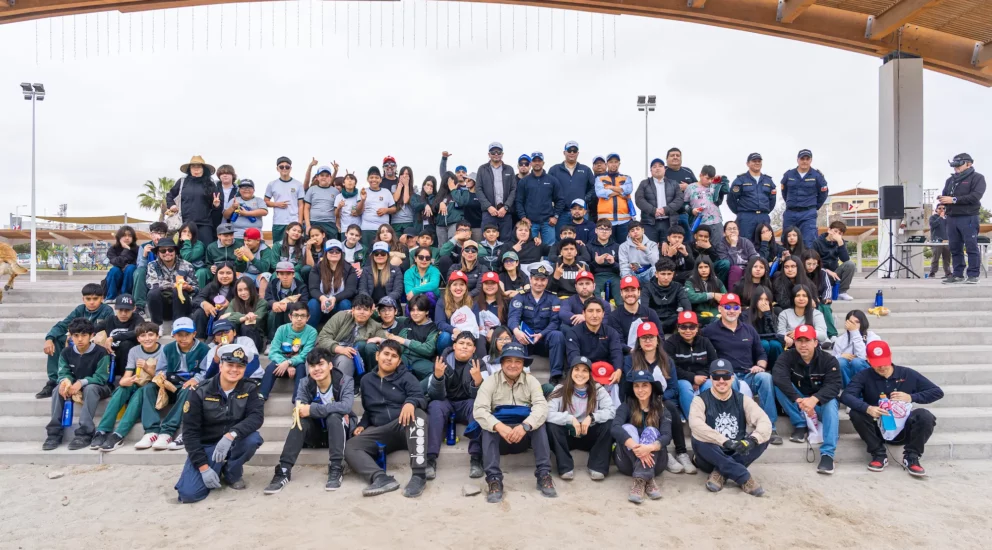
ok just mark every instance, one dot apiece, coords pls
pixel 730 298
pixel 879 354
pixel 585 275
pixel 253 233
pixel 458 276
pixel 601 372
pixel 688 318
pixel 490 277
pixel 647 328
pixel 388 159
pixel 629 282
pixel 804 331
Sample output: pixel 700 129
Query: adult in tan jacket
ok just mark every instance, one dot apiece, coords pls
pixel 505 432
pixel 729 431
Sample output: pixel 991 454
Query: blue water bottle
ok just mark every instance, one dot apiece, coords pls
pixel 774 268
pixel 889 421
pixel 359 364
pixel 606 290
pixel 451 430
pixel 695 224
pixel 380 458
pixel 878 298
pixel 835 291
pixel 67 413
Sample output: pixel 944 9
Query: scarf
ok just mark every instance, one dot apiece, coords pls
pixel 346 194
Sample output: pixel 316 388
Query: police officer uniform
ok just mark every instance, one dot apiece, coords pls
pixel 752 199
pixel 220 430
pixel 803 195
pixel 540 315
pixel 966 189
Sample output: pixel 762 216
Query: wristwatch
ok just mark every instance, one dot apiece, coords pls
pixel 527 427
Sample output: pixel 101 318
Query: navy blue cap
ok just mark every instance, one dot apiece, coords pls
pixel 222 326
pixel 805 153
pixel 389 301
pixel 246 183
pixel 659 161
pixel 461 168
pixel 524 156
pixel 757 156
pixel 536 155
pixel 612 156
pixel 598 157
pixel 514 349
pixel 642 375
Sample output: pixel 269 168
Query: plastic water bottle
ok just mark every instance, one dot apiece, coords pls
pixel 889 421
pixel 878 298
pixel 234 216
pixel 773 268
pixel 359 364
pixel 451 430
pixel 835 291
pixel 67 413
pixel 380 458
pixel 695 224
pixel 606 290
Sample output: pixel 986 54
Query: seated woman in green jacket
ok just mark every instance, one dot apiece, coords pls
pixel 247 311
pixel 422 278
pixel 293 249
pixel 705 290
pixel 194 252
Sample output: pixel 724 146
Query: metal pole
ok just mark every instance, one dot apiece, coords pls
pixel 34 220
pixel 647 159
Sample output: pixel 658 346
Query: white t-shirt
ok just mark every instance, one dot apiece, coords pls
pixel 375 200
pixel 290 191
pixel 345 207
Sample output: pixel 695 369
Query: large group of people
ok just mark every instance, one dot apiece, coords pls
pixel 428 304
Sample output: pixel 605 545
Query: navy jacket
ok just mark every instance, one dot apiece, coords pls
pixel 741 347
pixel 382 398
pixel 573 306
pixel 540 315
pixel 938 228
pixel 539 198
pixel 831 253
pixel 806 192
pixel 603 345
pixel 611 247
pixel 867 385
pixel 575 185
pixel 967 188
pixel 750 195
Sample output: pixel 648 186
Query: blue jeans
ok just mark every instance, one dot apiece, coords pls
pixel 120 281
pixel 545 230
pixel 190 485
pixel 761 386
pixel 826 413
pixel 686 394
pixel 269 379
pixel 773 348
pixel 850 367
pixel 317 316
pixel 443 341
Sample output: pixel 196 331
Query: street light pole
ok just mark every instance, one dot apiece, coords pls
pixel 646 104
pixel 33 93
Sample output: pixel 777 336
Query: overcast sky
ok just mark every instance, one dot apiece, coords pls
pixel 113 120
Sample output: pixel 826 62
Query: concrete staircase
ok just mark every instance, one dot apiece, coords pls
pixel 944 332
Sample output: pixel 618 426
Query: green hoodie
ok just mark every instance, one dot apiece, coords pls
pixel 62 327
pixel 217 254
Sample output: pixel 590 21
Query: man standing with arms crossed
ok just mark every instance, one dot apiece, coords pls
pixel 962 197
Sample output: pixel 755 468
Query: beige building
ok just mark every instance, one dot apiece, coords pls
pixel 854 207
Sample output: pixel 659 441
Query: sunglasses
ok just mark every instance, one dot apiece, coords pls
pixel 495 152
pixel 732 307
pixel 726 377
pixel 572 150
pixel 334 251
pixel 389 165
pixel 425 258
pixel 472 250
pixel 284 167
pixel 523 163
pixel 379 253
pixel 688 327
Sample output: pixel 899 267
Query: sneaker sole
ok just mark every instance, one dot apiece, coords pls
pixel 381 490
pixel 916 474
pixel 635 500
pixel 326 488
pixel 494 500
pixel 713 488
pixel 271 491
pixel 825 472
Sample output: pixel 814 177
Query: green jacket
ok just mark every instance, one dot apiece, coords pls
pixel 458 200
pixel 298 262
pixel 307 341
pixel 62 327
pixel 194 254
pixel 421 341
pixel 216 254
pixel 339 328
pixel 194 357
pixel 261 310
pixel 700 300
pixel 265 260
pixel 93 367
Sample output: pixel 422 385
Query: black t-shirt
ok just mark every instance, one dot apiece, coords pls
pixel 726 417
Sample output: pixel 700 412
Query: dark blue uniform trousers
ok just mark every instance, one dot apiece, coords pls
pixel 962 235
pixel 748 221
pixel 552 347
pixel 805 220
pixel 190 485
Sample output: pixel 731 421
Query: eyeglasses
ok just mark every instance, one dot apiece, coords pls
pixel 523 163
pixel 504 339
pixel 284 167
pixel 423 257
pixel 732 307
pixel 572 150
pixel 687 328
pixel 299 316
pixel 495 152
pixel 470 250
pixel 724 377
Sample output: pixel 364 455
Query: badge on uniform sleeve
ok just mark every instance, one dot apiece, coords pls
pixel 517 303
pixel 736 189
pixel 186 407
pixel 823 189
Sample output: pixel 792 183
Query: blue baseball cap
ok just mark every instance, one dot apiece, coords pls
pixel 805 153
pixel 571 144
pixel 536 155
pixel 323 169
pixel 222 326
pixel 524 156
pixel 757 156
pixel 460 168
pixel 513 349
pixel 183 324
pixel 613 156
pixel 655 161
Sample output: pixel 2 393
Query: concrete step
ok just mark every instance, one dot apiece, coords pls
pixel 976 395
pixel 941 338
pixel 933 319
pixel 21 404
pixel 12 310
pixel 944 375
pixel 937 355
pixel 918 305
pixel 930 289
pixel 27 324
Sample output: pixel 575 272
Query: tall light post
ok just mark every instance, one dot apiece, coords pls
pixel 646 104
pixel 33 93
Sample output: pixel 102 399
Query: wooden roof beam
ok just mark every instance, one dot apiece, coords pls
pixel 789 10
pixel 983 56
pixel 698 4
pixel 895 17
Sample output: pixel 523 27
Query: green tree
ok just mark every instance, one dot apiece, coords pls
pixel 984 215
pixel 45 249
pixel 153 198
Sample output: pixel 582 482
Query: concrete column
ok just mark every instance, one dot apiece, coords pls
pixel 900 146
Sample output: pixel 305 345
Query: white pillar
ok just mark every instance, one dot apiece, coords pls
pixel 900 145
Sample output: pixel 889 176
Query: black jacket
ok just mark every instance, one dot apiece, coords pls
pixel 621 320
pixel 382 398
pixel 693 359
pixel 393 287
pixel 123 336
pixel 350 283
pixel 769 250
pixel 121 257
pixel 343 390
pixel 646 199
pixel 819 379
pixel 272 294
pixel 968 187
pixel 611 247
pixel 714 252
pixel 213 288
pixel 484 188
pixel 666 301
pixel 685 264
pixel 867 385
pixel 456 384
pixel 197 202
pixel 604 345
pixel 938 228
pixel 209 414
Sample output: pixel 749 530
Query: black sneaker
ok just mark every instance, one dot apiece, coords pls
pixel 380 485
pixel 913 466
pixel 878 463
pixel 415 487
pixel 972 281
pixel 775 439
pixel 547 486
pixel 238 485
pixel 334 475
pixel 495 491
pixel 80 442
pixel 430 471
pixel 51 443
pixel 826 465
pixel 113 442
pixel 98 440
pixel 279 480
pixel 799 435
pixel 953 280
pixel 475 470
pixel 47 391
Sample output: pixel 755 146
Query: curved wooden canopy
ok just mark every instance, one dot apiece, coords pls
pixel 953 37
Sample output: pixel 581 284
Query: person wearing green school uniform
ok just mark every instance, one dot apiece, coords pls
pixel 223 250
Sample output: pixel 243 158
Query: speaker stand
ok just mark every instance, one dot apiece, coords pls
pixel 892 262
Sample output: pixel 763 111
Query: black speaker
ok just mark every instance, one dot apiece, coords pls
pixel 891 202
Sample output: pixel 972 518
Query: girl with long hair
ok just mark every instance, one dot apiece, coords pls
pixel 792 272
pixel 448 207
pixel 764 243
pixel 422 209
pixel 123 258
pixel 315 245
pixel 293 249
pixel 500 337
pixel 247 312
pixel 850 346
pixel 764 320
pixel 755 275
pixel 399 254
pixel 380 278
pixel 455 296
pixel 642 429
pixel 212 300
pixel 803 312
pixel 470 266
pixel 738 250
pixel 512 280
pixel 194 251
pixel 705 290
pixel 332 284
pixel 403 196
pixel 822 286
pixel 580 416
pixel 491 298
pixel 792 242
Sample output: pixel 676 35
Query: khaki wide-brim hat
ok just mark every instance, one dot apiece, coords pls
pixel 198 160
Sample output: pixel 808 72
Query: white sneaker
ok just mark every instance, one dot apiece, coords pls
pixel 686 463
pixel 146 442
pixel 845 297
pixel 162 443
pixel 673 465
pixel 177 443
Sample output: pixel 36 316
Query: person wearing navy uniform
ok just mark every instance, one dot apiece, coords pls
pixel 221 419
pixel 752 197
pixel 575 178
pixel 804 190
pixel 962 197
pixel 538 310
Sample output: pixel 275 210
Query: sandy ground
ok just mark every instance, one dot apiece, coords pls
pixel 135 507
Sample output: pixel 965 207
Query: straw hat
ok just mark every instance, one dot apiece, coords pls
pixel 197 159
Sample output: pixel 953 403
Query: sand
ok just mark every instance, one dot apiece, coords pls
pixel 135 507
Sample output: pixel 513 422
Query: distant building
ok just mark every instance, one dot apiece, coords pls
pixel 854 207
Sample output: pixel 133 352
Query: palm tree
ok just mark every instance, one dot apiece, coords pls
pixel 154 196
